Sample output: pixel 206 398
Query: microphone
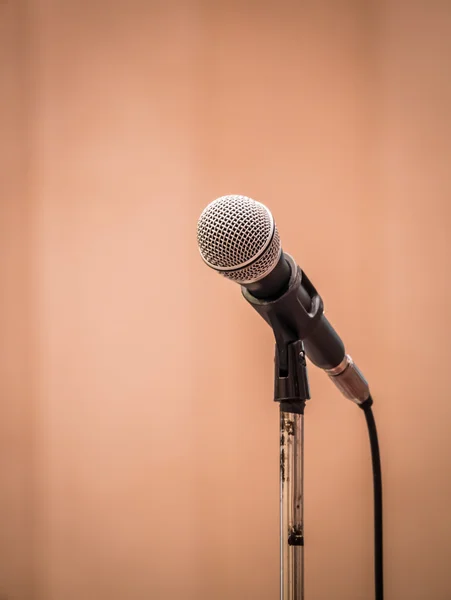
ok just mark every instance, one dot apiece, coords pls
pixel 238 238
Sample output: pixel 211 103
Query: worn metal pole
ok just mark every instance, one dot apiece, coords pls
pixel 291 506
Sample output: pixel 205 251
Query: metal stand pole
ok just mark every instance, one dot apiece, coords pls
pixel 291 506
pixel 291 390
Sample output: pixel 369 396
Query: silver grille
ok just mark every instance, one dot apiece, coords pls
pixel 237 236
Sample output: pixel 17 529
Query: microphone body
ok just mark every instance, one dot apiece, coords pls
pixel 298 313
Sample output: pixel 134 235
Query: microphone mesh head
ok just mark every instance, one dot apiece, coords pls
pixel 237 236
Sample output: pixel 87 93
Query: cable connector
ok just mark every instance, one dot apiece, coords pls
pixel 350 381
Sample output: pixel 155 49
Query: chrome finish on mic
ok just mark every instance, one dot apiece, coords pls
pixel 341 367
pixel 350 381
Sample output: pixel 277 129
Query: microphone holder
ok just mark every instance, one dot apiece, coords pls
pixel 291 390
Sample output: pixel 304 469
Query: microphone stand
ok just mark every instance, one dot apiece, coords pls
pixel 291 390
pixel 291 323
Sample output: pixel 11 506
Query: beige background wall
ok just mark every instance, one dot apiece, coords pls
pixel 138 437
pixel 17 403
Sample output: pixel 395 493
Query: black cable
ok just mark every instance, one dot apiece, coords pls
pixel 377 485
